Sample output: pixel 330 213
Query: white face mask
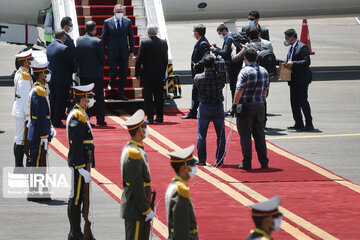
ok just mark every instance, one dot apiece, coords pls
pixel 48 77
pixel 193 34
pixel 277 223
pixel 119 15
pixel 286 43
pixel 91 103
pixel 146 132
pixel 193 171
pixel 221 36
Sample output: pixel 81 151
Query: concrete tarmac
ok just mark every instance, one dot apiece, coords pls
pixel 333 97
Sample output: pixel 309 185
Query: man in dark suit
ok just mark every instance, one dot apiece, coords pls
pixel 67 25
pixel 118 37
pixel 201 48
pixel 232 69
pixel 61 66
pixel 90 60
pixel 151 65
pixel 298 60
pixel 253 18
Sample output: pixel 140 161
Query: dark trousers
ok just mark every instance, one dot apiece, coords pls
pixel 135 230
pixel 194 102
pixel 99 96
pixel 154 93
pixel 233 76
pixel 253 124
pixel 123 65
pixel 75 201
pixel 35 153
pixel 59 95
pixel 214 113
pixel 299 102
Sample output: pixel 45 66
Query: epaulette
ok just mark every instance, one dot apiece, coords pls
pixel 134 153
pixel 40 91
pixel 182 189
pixel 25 75
pixel 79 115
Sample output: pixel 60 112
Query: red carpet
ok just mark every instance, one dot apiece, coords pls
pixel 324 203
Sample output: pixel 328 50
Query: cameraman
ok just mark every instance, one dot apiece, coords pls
pixel 232 69
pixel 251 91
pixel 211 98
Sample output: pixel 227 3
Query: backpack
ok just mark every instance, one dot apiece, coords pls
pixel 266 59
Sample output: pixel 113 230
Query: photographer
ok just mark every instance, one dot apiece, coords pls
pixel 232 69
pixel 251 91
pixel 210 86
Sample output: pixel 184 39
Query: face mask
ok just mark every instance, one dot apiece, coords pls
pixel 251 23
pixel 193 34
pixel 146 132
pixel 193 171
pixel 277 223
pixel 71 29
pixel 221 36
pixel 286 43
pixel 91 103
pixel 48 77
pixel 119 15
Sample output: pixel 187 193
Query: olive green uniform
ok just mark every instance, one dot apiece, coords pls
pixel 180 212
pixel 258 234
pixel 135 199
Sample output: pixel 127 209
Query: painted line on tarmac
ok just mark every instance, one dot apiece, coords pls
pixel 314 136
pixel 308 164
pixel 230 191
pixel 112 187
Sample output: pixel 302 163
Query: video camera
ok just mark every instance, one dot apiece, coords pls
pixel 220 67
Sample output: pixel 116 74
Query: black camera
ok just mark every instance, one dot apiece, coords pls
pixel 220 67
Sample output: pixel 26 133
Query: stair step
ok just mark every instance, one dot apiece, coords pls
pixel 129 83
pixel 137 3
pixel 131 93
pixel 130 72
pixel 103 2
pixel 108 10
pixel 99 29
pixel 100 20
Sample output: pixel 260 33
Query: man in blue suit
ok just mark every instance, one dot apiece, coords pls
pixel 298 60
pixel 90 60
pixel 201 48
pixel 67 25
pixel 118 37
pixel 61 66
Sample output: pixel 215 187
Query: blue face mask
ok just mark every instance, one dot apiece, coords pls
pixel 251 23
pixel 71 29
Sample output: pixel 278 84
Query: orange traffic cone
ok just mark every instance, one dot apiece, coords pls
pixel 305 36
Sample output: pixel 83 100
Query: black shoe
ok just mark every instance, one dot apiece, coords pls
pixel 201 163
pixel 240 166
pixel 159 120
pixel 308 128
pixel 103 123
pixel 265 167
pixel 296 127
pixel 92 125
pixel 59 125
pixel 122 98
pixel 218 164
pixel 189 117
pixel 150 121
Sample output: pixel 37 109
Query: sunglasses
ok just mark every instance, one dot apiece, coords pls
pixel 251 19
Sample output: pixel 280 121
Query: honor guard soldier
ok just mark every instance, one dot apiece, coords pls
pixel 136 208
pixel 180 212
pixel 40 127
pixel 266 217
pixel 21 110
pixel 81 153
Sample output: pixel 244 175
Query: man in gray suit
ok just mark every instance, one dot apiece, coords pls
pixel 118 37
pixel 90 60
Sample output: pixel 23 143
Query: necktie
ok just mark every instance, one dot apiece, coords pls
pixel 118 25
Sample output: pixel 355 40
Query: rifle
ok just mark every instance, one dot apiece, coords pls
pixel 87 229
pixel 149 222
pixel 27 145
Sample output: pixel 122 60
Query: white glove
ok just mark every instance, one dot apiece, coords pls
pixel 28 121
pixel 85 174
pixel 45 142
pixel 52 133
pixel 150 215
